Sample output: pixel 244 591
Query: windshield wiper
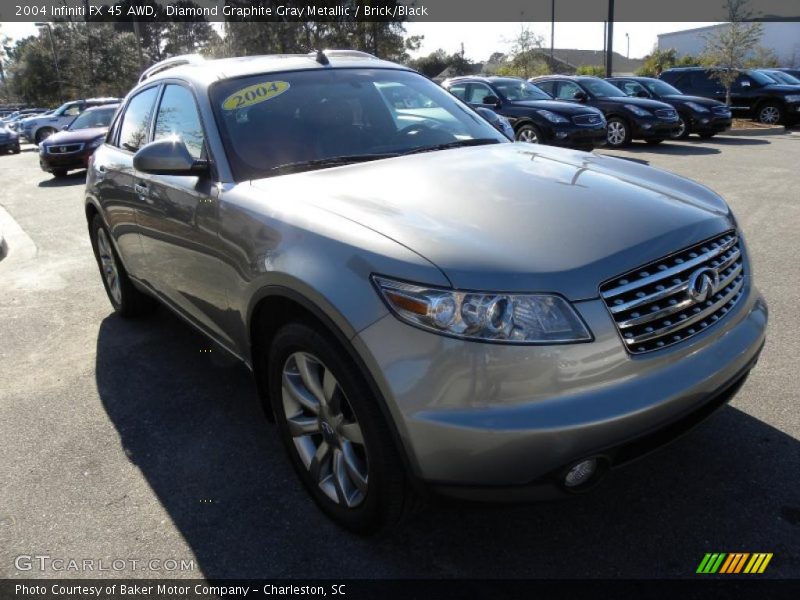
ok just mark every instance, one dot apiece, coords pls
pixel 307 165
pixel 456 144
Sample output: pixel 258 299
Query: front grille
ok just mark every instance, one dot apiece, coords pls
pixel 672 299
pixel 64 148
pixel 667 113
pixel 721 110
pixel 587 119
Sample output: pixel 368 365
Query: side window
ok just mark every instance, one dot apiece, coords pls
pixel 547 86
pixel 136 120
pixel 631 88
pixel 567 90
pixel 479 91
pixel 73 111
pixel 459 90
pixel 177 116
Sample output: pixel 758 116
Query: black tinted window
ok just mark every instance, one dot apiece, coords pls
pixel 177 116
pixel 133 130
pixel 547 86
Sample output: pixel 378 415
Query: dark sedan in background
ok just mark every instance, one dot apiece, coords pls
pixel 71 148
pixel 696 114
pixel 9 140
pixel 628 118
pixel 534 115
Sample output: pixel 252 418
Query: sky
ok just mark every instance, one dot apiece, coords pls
pixel 481 39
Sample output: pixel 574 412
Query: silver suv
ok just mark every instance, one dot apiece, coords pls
pixel 425 305
pixel 35 129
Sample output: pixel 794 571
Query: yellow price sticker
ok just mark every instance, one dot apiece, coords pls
pixel 253 94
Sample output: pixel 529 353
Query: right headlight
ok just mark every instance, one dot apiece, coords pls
pixel 697 107
pixel 482 316
pixel 638 110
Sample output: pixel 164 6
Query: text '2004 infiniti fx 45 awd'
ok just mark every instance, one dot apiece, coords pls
pixel 426 306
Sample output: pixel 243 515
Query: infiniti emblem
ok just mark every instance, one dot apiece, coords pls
pixel 703 283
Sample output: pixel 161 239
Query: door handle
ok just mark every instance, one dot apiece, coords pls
pixel 140 189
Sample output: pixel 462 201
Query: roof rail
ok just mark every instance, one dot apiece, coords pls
pixel 350 53
pixel 169 63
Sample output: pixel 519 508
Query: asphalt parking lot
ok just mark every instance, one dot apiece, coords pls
pixel 128 440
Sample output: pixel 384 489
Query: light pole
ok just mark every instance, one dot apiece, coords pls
pixel 552 29
pixel 55 56
pixel 628 38
pixel 610 37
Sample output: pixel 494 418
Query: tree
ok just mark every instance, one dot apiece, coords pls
pixel 728 46
pixel 762 58
pixel 431 65
pixel 659 61
pixel 596 70
pixel 527 58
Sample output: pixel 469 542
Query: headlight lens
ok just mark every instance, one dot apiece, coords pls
pixel 97 142
pixel 793 98
pixel 506 318
pixel 697 107
pixel 552 117
pixel 638 110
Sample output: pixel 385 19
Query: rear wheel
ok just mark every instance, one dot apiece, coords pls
pixel 619 134
pixel 530 134
pixel 770 114
pixel 336 437
pixel 125 298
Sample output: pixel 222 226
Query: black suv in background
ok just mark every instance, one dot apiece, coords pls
pixel 534 115
pixel 628 118
pixel 699 115
pixel 753 94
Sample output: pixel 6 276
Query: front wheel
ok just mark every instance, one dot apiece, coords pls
pixel 683 130
pixel 334 432
pixel 619 134
pixel 44 133
pixel 770 114
pixel 125 298
pixel 529 134
pixel 58 173
pixel 16 149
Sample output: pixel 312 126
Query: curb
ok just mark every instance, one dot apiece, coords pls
pixel 755 132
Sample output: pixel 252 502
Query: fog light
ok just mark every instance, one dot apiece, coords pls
pixel 581 473
pixel 646 126
pixel 704 121
pixel 561 134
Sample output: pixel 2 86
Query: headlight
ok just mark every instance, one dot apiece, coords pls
pixel 637 110
pixel 506 318
pixel 793 98
pixel 697 107
pixel 97 142
pixel 552 117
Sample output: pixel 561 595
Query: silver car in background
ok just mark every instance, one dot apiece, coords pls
pixel 425 305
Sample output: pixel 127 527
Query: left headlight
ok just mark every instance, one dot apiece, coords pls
pixel 697 107
pixel 482 316
pixel 638 110
pixel 553 117
pixel 97 142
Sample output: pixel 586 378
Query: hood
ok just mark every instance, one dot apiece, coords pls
pixel 643 102
pixel 696 99
pixel 79 135
pixel 516 217
pixel 557 106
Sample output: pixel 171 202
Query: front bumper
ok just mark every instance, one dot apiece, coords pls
pixel 705 123
pixel 576 136
pixel 6 145
pixel 654 128
pixel 78 160
pixel 489 417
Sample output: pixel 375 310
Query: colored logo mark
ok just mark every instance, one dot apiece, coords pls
pixel 734 563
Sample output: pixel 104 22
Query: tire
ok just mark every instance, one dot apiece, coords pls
pixel 43 133
pixel 770 113
pixel 59 173
pixel 653 142
pixel 333 414
pixel 619 133
pixel 684 129
pixel 528 133
pixel 706 136
pixel 16 149
pixel 124 297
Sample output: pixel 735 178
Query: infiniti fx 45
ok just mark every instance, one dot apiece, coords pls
pixel 425 305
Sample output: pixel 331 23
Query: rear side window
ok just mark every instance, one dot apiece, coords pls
pixel 177 116
pixel 567 90
pixel 547 86
pixel 134 125
pixel 459 90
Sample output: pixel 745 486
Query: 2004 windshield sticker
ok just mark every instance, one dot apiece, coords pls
pixel 253 94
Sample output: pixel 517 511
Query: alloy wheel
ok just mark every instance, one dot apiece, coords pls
pixel 769 115
pixel 108 264
pixel 681 128
pixel 616 133
pixel 528 135
pixel 324 429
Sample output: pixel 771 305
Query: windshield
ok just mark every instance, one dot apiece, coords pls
pixel 515 90
pixel 782 77
pixel 661 88
pixel 601 89
pixel 314 118
pixel 760 78
pixel 93 118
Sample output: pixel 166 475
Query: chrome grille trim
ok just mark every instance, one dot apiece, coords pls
pixel 666 113
pixel 67 148
pixel 654 307
pixel 587 119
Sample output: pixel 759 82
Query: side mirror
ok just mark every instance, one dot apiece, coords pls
pixel 493 100
pixel 580 96
pixel 65 127
pixel 168 156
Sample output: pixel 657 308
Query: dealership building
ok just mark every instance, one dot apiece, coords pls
pixel 782 38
